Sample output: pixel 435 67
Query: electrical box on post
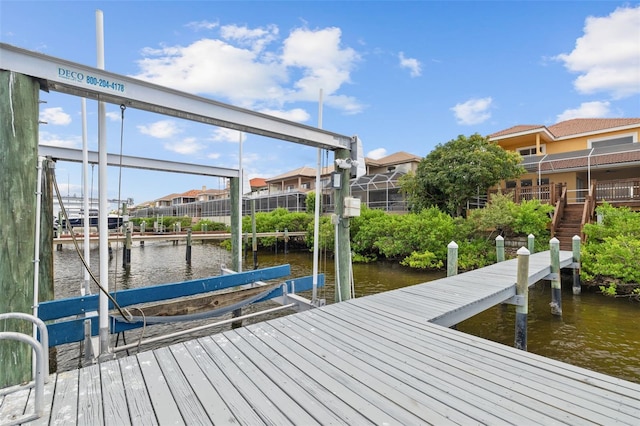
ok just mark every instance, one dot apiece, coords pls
pixel 351 207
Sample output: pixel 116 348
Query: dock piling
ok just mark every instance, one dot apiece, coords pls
pixel 522 291
pixel 188 256
pixel 126 253
pixel 452 259
pixel 575 245
pixel 500 248
pixel 556 287
pixel 531 243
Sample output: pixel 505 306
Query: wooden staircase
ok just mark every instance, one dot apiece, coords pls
pixel 569 225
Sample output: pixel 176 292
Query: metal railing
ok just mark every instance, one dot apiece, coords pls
pixel 41 350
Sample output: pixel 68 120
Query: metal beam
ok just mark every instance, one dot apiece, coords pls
pixel 75 155
pixel 68 77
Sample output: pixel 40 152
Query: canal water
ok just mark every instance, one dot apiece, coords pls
pixel 595 332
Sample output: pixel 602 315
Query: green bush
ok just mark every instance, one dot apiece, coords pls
pixel 612 248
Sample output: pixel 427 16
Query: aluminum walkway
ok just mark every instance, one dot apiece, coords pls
pixel 379 359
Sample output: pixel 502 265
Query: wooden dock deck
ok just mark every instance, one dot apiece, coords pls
pixel 381 359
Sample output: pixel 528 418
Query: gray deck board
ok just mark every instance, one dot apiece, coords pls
pixel 240 408
pixel 207 395
pixel 90 396
pixel 379 359
pixel 65 399
pixel 113 397
pixel 165 406
pixel 488 373
pixel 137 399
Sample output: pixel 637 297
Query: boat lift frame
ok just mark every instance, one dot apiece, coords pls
pixel 60 75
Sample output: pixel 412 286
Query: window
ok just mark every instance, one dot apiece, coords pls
pixel 530 150
pixel 511 184
pixel 544 181
pixel 610 141
pixel 305 185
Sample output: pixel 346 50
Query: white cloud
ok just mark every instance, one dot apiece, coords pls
pixel 377 153
pixel 214 155
pixel 186 146
pixel 256 39
pixel 245 67
pixel 55 116
pixel 323 62
pixel 162 129
pixel 46 138
pixel 412 64
pixel 114 116
pixel 473 111
pixel 596 109
pixel 202 25
pixel 221 134
pixel 607 56
pixel 297 114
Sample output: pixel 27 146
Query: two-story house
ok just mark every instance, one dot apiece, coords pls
pixel 576 164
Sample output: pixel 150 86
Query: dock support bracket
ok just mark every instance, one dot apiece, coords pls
pixel 517 300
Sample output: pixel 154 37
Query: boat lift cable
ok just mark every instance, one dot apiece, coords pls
pixel 123 311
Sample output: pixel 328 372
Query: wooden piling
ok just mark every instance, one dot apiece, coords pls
pixel 143 225
pixel 18 180
pixel 531 243
pixel 500 248
pixel 188 255
pixel 343 241
pixel 126 253
pixel 45 266
pixel 452 259
pixel 556 288
pixel 575 245
pixel 522 293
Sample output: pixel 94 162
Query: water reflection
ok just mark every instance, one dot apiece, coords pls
pixel 595 332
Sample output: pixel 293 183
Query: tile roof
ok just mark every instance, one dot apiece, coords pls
pixel 305 171
pixel 572 127
pixel 395 158
pixel 257 183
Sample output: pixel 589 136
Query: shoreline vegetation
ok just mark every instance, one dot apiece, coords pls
pixel 609 256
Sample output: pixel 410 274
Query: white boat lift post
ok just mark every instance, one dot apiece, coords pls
pixel 63 76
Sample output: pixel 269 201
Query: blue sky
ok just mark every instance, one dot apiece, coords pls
pixel 402 75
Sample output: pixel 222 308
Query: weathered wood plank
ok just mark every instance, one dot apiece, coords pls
pixel 49 389
pixel 138 400
pixel 556 395
pixel 89 396
pixel 64 410
pixel 248 363
pixel 298 384
pixel 14 405
pixel 458 385
pixel 415 396
pixel 357 393
pixel 114 400
pixel 186 399
pixel 164 404
pixel 241 408
pixel 212 402
pixel 260 402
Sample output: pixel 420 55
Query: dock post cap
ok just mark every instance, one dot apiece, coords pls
pixel 576 237
pixel 531 236
pixel 452 244
pixel 554 240
pixel 523 251
pixel 499 238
